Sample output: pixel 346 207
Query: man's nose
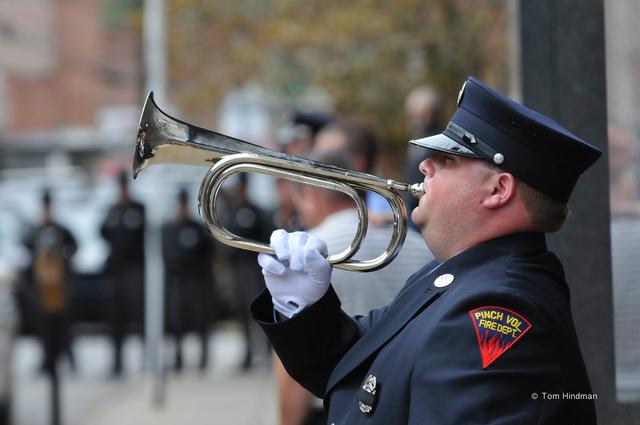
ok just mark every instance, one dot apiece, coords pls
pixel 426 167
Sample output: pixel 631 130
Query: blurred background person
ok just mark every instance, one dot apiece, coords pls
pixel 623 180
pixel 360 144
pixel 313 121
pixel 52 247
pixel 249 222
pixel 123 230
pixel 332 216
pixel 293 139
pixel 188 253
pixel 422 111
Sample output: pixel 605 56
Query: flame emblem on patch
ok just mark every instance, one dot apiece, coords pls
pixel 497 329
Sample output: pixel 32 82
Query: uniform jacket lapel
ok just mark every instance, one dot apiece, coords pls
pixel 413 299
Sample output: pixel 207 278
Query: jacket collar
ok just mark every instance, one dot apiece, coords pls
pixel 517 244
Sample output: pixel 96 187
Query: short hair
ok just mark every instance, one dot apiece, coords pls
pixel 336 159
pixel 359 139
pixel 547 214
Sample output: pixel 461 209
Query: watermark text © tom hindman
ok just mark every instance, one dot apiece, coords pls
pixel 543 395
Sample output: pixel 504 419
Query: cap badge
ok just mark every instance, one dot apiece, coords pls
pixel 461 93
pixel 368 395
pixel 497 330
pixel 443 280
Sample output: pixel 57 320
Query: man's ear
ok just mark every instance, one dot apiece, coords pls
pixel 502 188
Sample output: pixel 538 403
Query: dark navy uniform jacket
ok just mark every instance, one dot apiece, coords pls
pixel 495 346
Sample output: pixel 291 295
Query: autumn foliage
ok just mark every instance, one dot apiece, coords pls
pixel 365 54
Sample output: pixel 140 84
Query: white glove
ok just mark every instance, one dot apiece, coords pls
pixel 300 275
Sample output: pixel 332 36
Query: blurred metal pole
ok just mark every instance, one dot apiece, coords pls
pixel 156 80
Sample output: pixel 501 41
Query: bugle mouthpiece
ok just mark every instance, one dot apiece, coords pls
pixel 417 190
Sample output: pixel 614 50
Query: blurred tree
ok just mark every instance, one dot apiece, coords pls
pixel 367 54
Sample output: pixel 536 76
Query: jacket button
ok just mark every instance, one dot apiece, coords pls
pixel 443 280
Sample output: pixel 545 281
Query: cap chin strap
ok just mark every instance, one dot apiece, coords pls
pixel 477 145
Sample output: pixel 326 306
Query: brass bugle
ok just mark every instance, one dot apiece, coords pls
pixel 163 139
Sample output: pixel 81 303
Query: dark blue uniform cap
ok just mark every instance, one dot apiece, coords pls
pixel 527 144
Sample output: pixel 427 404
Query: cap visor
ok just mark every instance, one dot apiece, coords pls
pixel 443 143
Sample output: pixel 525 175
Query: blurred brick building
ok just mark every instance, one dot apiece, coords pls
pixel 67 62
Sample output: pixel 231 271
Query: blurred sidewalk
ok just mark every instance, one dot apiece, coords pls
pixel 220 395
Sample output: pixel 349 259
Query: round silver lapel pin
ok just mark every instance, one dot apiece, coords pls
pixel 443 280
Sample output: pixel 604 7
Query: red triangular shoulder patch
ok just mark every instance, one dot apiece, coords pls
pixel 497 329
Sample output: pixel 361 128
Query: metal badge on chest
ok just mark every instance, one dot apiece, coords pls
pixel 368 395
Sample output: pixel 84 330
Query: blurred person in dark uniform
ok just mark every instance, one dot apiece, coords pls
pixel 314 121
pixel 52 246
pixel 188 257
pixel 247 221
pixel 123 229
pixel 295 139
